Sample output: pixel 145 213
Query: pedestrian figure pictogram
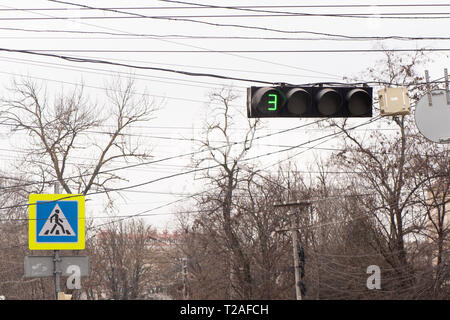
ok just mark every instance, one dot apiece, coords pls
pixel 56 224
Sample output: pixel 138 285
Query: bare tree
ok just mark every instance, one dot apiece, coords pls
pixel 219 201
pixel 121 257
pixel 62 129
pixel 432 198
pixel 387 167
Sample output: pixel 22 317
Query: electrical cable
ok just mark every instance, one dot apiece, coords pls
pixel 186 73
pixel 242 6
pixel 238 51
pixel 210 23
pixel 269 13
pixel 329 37
pixel 170 176
pixel 218 37
pixel 197 74
pixel 168 158
pixel 145 77
pixel 343 36
pixel 397 15
pixel 288 14
pixel 202 48
pixel 313 140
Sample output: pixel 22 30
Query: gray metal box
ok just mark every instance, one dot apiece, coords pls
pixel 394 101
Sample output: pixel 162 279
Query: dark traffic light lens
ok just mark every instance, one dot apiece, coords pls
pixel 298 101
pixel 359 102
pixel 329 101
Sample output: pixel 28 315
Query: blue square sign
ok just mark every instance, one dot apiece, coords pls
pixel 56 221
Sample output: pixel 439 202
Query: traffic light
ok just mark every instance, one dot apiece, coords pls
pixel 309 102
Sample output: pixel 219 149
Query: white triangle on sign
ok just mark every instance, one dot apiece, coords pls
pixel 56 224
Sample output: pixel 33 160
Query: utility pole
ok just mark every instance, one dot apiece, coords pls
pixel 294 232
pixel 185 278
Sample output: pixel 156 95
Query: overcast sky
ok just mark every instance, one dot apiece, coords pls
pixel 209 40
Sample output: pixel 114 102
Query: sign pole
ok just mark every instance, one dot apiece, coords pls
pixel 59 231
pixel 57 260
pixel 57 272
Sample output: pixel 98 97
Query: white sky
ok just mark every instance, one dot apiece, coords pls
pixel 185 98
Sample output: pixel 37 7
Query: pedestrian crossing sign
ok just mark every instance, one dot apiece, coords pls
pixel 56 222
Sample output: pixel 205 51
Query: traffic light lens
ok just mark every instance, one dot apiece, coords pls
pixel 299 101
pixel 329 102
pixel 359 102
pixel 271 102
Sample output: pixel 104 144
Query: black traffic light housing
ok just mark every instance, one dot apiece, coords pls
pixel 309 102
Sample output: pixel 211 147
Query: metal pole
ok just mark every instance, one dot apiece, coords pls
pixel 56 261
pixel 427 79
pixel 57 272
pixel 447 93
pixel 185 276
pixel 294 234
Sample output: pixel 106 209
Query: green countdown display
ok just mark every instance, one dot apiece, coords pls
pixel 269 101
pixel 273 102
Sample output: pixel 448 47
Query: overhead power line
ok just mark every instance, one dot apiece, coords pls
pixel 99 61
pixel 116 218
pixel 166 158
pixel 202 48
pixel 324 37
pixel 260 13
pixel 203 22
pixel 182 72
pixel 371 120
pixel 272 13
pixel 159 79
pixel 198 74
pixel 217 37
pixel 242 51
pixel 184 172
pixel 391 15
pixel 205 6
pixel 243 7
pixel 206 49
